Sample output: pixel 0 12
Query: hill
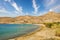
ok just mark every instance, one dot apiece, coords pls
pixel 48 17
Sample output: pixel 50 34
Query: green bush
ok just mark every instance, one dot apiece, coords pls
pixel 53 25
pixel 48 25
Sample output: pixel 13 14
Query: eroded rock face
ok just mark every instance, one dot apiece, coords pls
pixel 49 17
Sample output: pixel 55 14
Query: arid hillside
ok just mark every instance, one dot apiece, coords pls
pixel 48 17
pixel 6 20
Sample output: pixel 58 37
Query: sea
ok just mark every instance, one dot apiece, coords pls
pixel 9 31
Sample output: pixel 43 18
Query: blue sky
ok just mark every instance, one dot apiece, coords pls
pixel 13 8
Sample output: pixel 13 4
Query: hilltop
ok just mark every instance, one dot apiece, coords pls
pixel 48 17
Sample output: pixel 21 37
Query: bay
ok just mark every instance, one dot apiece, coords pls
pixel 13 30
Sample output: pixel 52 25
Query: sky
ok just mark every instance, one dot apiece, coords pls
pixel 13 8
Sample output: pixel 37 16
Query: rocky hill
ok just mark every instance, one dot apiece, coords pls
pixel 48 17
pixel 51 17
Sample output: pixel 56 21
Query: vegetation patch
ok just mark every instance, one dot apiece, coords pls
pixel 58 32
pixel 52 25
pixel 55 26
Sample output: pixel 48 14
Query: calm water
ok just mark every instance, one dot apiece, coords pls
pixel 12 30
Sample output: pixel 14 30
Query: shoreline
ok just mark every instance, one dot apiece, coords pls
pixel 29 34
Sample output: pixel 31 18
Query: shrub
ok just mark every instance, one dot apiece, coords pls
pixel 48 25
pixel 58 32
pixel 53 25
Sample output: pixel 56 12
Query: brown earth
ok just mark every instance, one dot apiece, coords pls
pixel 49 17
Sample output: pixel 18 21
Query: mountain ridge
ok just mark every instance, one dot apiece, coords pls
pixel 48 17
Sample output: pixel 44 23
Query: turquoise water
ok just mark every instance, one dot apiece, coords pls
pixel 12 30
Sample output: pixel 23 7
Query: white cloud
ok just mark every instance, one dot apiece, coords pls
pixel 35 6
pixel 51 10
pixel 52 5
pixel 49 2
pixel 27 13
pixel 42 13
pixel 56 8
pixel 5 13
pixel 18 9
pixel 3 10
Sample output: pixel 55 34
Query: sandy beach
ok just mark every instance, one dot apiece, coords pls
pixel 31 33
pixel 42 33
